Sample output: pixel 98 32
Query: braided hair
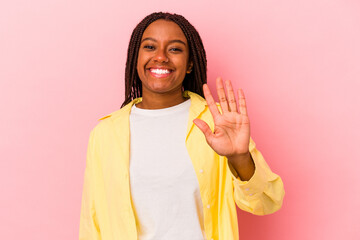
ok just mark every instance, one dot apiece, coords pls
pixel 192 82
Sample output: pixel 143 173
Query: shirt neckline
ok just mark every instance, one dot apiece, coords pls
pixel 162 111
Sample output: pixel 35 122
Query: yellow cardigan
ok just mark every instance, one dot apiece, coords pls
pixel 107 212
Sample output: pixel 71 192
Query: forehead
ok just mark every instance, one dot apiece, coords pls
pixel 164 30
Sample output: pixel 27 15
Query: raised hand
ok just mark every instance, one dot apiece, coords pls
pixel 231 134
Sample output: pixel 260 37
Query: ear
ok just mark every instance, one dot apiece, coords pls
pixel 190 67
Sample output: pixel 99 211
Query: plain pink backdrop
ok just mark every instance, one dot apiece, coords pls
pixel 62 67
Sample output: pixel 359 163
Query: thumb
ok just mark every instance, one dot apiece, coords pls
pixel 204 127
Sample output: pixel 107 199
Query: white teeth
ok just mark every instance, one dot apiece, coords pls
pixel 159 71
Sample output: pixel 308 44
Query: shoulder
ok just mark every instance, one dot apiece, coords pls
pixel 108 122
pixel 113 115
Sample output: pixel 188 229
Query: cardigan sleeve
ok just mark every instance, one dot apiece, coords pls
pixel 89 228
pixel 263 193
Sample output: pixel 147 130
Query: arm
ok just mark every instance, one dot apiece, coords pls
pixel 242 165
pixel 89 228
pixel 263 193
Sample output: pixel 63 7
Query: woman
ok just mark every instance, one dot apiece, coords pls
pixel 168 164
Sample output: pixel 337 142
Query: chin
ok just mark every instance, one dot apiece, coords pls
pixel 160 91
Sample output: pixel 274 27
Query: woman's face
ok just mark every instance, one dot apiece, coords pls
pixel 163 58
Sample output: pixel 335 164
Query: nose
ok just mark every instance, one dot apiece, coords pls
pixel 161 56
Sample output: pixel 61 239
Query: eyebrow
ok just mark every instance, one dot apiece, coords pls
pixel 172 41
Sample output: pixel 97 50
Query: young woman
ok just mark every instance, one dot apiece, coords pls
pixel 170 164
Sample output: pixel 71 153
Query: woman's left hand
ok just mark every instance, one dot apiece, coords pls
pixel 231 134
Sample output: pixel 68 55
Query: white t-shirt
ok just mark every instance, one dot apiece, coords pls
pixel 164 187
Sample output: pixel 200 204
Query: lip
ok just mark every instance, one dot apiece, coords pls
pixel 159 75
pixel 156 75
pixel 159 67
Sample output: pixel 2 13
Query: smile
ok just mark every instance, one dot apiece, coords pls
pixel 160 73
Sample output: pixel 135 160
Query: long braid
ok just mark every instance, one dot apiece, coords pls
pixel 192 82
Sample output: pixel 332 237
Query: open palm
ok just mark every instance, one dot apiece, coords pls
pixel 231 134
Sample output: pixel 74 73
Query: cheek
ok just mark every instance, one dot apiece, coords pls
pixel 139 66
pixel 142 61
pixel 181 61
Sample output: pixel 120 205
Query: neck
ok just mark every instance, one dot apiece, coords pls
pixel 158 101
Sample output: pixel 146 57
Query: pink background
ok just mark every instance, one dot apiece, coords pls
pixel 62 66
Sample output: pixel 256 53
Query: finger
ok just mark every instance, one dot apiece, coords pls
pixel 204 127
pixel 231 96
pixel 242 102
pixel 210 101
pixel 221 94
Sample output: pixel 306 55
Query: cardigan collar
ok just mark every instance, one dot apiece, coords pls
pixel 120 118
pixel 198 104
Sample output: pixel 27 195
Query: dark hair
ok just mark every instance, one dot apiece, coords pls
pixel 192 82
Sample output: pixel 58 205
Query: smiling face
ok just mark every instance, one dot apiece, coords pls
pixel 163 59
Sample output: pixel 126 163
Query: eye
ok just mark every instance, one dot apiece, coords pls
pixel 149 47
pixel 175 49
